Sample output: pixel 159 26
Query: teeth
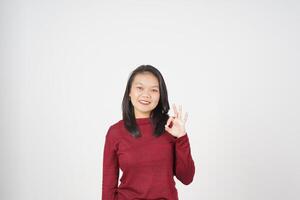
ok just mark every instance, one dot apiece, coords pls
pixel 145 102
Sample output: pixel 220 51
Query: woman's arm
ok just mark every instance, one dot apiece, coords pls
pixel 110 173
pixel 184 164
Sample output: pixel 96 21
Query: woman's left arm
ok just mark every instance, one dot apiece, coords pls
pixel 184 164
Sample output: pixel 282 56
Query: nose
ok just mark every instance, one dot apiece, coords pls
pixel 146 94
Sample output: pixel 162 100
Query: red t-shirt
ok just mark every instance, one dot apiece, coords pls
pixel 148 163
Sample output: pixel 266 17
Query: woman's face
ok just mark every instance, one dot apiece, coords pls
pixel 144 94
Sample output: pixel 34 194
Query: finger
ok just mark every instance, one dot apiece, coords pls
pixel 180 112
pixel 167 129
pixel 185 117
pixel 175 110
pixel 169 121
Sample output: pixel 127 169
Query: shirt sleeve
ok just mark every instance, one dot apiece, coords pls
pixel 110 174
pixel 184 164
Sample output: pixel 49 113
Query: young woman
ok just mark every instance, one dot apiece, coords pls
pixel 148 145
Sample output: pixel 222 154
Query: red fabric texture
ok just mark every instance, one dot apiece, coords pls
pixel 148 163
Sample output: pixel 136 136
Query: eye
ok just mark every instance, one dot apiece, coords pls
pixel 139 88
pixel 154 90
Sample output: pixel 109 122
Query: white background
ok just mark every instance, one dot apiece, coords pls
pixel 233 65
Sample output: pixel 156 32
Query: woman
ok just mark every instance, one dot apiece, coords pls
pixel 148 145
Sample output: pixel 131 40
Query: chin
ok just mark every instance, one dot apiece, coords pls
pixel 145 110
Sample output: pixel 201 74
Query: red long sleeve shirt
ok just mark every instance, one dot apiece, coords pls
pixel 148 163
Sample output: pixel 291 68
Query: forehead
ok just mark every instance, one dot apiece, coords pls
pixel 146 79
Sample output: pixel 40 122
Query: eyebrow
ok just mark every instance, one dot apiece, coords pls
pixel 139 83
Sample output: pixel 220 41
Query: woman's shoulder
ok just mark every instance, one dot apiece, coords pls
pixel 115 128
pixel 116 125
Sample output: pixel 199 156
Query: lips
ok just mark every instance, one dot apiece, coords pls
pixel 144 102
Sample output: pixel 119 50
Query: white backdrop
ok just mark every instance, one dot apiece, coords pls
pixel 233 65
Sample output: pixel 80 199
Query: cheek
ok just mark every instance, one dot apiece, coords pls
pixel 156 98
pixel 134 94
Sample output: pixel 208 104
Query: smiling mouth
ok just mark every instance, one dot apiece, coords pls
pixel 144 102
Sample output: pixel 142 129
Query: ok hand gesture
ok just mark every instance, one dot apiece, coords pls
pixel 178 123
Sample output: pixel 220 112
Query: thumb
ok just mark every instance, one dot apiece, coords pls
pixel 169 121
pixel 167 128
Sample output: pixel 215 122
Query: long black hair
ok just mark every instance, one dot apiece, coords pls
pixel 158 116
